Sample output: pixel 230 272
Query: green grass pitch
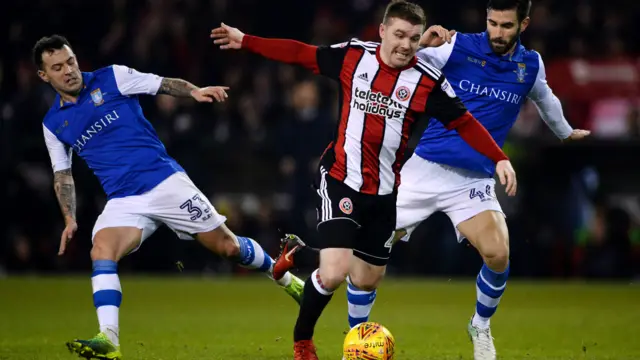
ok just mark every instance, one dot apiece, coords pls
pixel 250 318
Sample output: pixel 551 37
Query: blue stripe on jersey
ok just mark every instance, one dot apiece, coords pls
pixel 492 87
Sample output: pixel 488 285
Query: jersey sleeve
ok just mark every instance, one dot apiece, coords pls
pixel 548 105
pixel 330 59
pixel 132 82
pixel 443 103
pixel 325 60
pixel 59 153
pixel 438 56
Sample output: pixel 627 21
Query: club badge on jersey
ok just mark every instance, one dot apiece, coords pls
pixel 521 72
pixel 96 96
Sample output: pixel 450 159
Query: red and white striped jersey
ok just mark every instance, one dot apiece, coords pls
pixel 378 107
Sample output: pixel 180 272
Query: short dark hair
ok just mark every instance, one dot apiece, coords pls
pixel 47 44
pixel 522 7
pixel 405 10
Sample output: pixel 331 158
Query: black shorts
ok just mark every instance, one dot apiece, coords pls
pixel 353 220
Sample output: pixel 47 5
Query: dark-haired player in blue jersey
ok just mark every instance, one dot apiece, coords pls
pixel 493 74
pixel 98 116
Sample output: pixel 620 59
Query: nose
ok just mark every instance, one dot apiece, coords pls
pixel 405 44
pixel 68 69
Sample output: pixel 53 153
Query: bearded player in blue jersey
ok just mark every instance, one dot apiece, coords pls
pixel 98 116
pixel 493 74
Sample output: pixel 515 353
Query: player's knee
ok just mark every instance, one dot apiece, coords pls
pixel 496 254
pixel 367 281
pixel 220 241
pixel 333 277
pixel 102 250
pixel 228 246
pixel 334 266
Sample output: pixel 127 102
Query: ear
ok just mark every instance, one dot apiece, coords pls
pixel 525 24
pixel 42 75
pixel 382 30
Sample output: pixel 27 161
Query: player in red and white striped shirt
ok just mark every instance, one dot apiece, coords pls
pixel 383 89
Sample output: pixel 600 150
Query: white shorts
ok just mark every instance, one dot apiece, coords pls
pixel 427 187
pixel 175 202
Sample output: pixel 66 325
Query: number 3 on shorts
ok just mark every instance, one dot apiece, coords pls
pixel 389 243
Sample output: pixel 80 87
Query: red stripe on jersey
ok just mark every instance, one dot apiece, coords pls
pixel 339 168
pixel 373 133
pixel 421 95
pixel 407 125
pixel 417 105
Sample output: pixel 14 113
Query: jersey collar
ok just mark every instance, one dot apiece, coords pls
pixel 518 52
pixel 87 78
pixel 411 63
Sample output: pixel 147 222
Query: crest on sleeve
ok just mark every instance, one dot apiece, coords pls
pixel 340 45
pixel 96 96
pixel 448 89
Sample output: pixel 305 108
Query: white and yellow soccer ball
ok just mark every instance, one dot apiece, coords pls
pixel 369 341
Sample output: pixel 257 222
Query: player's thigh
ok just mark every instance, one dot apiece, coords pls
pixel 467 195
pixel 375 239
pixel 180 205
pixel 417 195
pixel 487 231
pixel 121 228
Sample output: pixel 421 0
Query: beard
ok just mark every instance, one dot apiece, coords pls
pixel 501 46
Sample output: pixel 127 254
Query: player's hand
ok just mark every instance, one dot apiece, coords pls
pixel 69 230
pixel 577 134
pixel 435 36
pixel 227 37
pixel 209 93
pixel 507 176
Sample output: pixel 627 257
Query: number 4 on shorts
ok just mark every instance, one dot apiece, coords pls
pixel 389 243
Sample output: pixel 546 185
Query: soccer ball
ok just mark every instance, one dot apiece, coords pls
pixel 368 341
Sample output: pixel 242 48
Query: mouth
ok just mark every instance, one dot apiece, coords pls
pixel 402 55
pixel 71 81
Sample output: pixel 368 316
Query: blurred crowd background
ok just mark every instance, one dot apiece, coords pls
pixel 576 215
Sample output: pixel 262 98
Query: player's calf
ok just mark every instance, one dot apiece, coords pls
pixel 245 251
pixel 488 233
pixel 319 289
pixel 109 246
pixel 363 281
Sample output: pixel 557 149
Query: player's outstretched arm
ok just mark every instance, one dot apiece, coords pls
pixel 132 82
pixel 183 88
pixel 282 50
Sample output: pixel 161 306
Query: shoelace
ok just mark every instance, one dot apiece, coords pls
pixel 484 339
